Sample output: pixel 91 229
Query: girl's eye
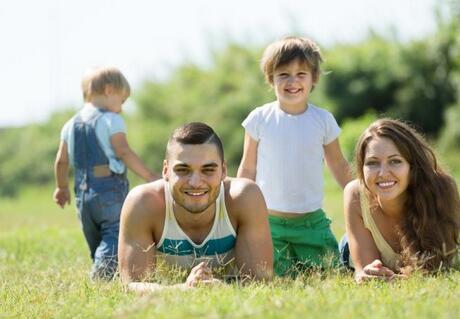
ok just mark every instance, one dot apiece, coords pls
pixel 395 161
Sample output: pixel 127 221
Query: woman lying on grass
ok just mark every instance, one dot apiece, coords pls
pixel 402 213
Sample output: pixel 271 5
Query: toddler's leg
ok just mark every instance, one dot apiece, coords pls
pixel 88 224
pixel 106 255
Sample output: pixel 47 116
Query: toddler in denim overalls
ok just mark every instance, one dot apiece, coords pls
pixel 94 143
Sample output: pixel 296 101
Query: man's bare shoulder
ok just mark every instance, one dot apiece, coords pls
pixel 239 190
pixel 146 200
pixel 242 196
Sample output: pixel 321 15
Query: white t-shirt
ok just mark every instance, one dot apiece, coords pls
pixel 107 124
pixel 290 155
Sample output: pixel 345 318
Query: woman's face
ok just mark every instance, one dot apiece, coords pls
pixel 386 171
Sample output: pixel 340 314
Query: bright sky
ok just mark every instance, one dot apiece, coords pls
pixel 47 45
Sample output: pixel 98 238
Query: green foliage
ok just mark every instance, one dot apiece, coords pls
pixel 412 81
pixel 221 95
pixel 362 76
pixel 416 81
pixel 27 154
pixel 450 136
pixel 351 130
pixel 427 73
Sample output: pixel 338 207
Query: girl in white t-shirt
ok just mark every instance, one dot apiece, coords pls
pixel 285 144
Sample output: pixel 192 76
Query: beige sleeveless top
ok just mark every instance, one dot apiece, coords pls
pixel 389 257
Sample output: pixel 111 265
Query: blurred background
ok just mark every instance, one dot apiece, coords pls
pixel 199 61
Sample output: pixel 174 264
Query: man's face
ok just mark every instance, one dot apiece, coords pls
pixel 194 174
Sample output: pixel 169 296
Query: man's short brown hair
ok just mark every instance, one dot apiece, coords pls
pixel 195 133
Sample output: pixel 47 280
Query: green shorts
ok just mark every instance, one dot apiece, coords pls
pixel 303 242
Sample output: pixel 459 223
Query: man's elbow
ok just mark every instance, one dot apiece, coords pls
pixel 125 275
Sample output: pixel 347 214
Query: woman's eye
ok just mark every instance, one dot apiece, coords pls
pixel 371 163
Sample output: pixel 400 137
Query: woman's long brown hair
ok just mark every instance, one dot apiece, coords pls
pixel 429 231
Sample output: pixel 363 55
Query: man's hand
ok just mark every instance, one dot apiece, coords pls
pixel 375 270
pixel 200 274
pixel 61 196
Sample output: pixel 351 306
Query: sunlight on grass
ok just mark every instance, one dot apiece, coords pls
pixel 44 265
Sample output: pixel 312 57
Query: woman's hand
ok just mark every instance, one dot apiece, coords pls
pixel 375 270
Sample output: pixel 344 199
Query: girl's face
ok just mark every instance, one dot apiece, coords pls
pixel 292 83
pixel 386 171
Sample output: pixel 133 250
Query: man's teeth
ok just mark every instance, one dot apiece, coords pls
pixel 195 193
pixel 386 184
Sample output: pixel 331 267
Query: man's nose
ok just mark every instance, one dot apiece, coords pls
pixel 195 179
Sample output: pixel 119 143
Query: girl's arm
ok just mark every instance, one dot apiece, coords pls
pixel 248 165
pixel 336 163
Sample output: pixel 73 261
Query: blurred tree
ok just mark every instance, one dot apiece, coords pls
pixel 362 77
pixel 221 95
pixel 428 88
pixel 27 154
pixel 416 81
pixel 413 81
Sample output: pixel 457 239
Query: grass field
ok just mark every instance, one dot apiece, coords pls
pixel 44 263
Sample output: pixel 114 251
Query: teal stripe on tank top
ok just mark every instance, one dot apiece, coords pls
pixel 181 247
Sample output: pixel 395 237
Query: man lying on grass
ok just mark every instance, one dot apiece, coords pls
pixel 195 217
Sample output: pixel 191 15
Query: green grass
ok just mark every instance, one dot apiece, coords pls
pixel 44 264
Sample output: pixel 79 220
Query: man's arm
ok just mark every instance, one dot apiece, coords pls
pixel 336 163
pixel 132 161
pixel 254 248
pixel 61 170
pixel 201 274
pixel 136 246
pixel 248 165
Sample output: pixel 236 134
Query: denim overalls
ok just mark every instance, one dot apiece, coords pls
pixel 99 197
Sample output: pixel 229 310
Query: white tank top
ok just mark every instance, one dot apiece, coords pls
pixel 176 248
